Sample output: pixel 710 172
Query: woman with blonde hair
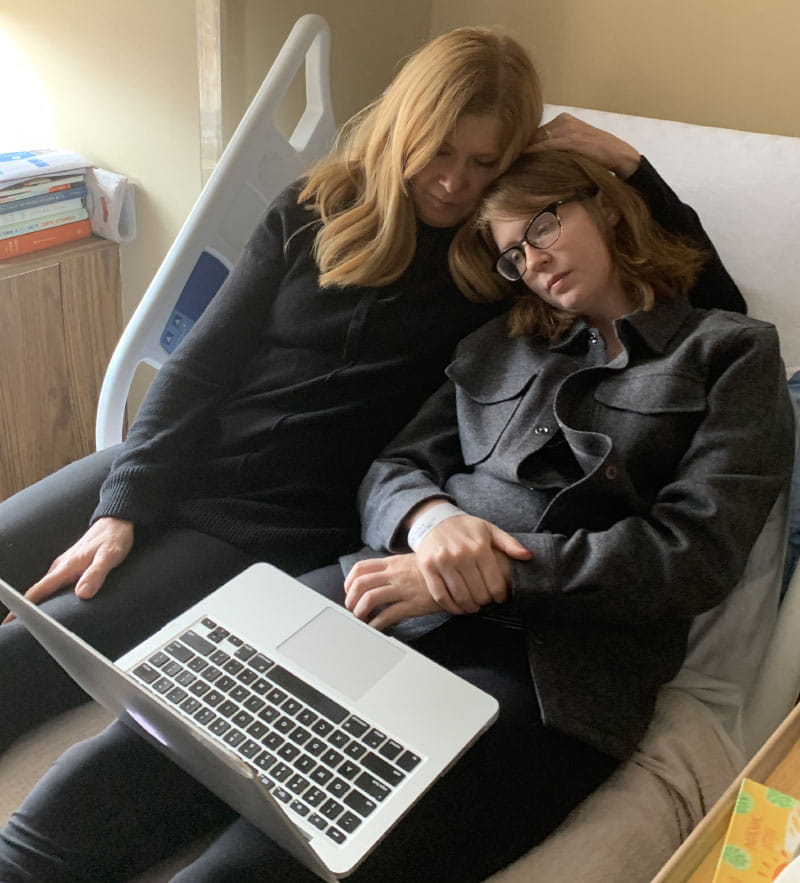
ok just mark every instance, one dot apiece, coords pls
pixel 331 329
pixel 365 191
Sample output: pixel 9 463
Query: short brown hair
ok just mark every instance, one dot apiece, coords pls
pixel 651 262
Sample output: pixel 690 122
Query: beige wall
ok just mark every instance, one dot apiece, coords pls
pixel 122 83
pixel 119 84
pixel 121 87
pixel 368 40
pixel 731 63
pixel 122 77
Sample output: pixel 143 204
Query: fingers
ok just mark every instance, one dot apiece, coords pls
pixel 551 135
pixel 371 602
pixel 391 615
pixel 455 591
pixel 64 571
pixel 87 563
pixel 496 578
pixel 95 575
pixel 509 545
pixel 374 586
pixel 109 542
pixel 450 590
pixel 363 569
pixel 360 582
pixel 458 562
pixel 566 132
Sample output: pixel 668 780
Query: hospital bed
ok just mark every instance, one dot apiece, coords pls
pixel 746 188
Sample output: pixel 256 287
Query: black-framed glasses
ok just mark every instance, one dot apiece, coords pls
pixel 543 230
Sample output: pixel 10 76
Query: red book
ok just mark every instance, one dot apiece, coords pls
pixel 28 242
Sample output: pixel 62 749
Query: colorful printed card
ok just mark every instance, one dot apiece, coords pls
pixel 763 836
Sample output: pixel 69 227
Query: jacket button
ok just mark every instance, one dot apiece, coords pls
pixel 542 430
pixel 611 472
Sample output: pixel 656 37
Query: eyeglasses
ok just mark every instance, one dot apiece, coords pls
pixel 542 231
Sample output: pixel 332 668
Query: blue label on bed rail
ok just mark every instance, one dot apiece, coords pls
pixel 204 281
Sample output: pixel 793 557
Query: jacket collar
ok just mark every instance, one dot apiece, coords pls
pixel 492 366
pixel 655 328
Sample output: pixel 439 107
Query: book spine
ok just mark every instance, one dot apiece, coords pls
pixel 34 186
pixel 18 245
pixel 60 207
pixel 30 202
pixel 31 226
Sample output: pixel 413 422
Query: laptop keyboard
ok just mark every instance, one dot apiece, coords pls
pixel 329 767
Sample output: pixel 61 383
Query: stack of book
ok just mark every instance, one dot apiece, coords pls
pixel 42 200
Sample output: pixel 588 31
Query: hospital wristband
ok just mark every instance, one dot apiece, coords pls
pixel 428 520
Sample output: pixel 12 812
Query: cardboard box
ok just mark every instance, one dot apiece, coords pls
pixel 762 838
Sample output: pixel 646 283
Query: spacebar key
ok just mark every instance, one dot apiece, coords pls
pixel 308 694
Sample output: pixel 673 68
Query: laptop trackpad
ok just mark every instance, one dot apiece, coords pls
pixel 338 650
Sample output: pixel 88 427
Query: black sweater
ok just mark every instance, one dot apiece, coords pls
pixel 261 425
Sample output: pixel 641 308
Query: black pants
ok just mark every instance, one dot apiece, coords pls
pixel 158 580
pixel 112 806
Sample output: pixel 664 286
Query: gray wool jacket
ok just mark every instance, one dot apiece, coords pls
pixel 639 485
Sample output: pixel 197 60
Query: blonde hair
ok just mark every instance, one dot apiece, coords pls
pixel 650 262
pixel 360 191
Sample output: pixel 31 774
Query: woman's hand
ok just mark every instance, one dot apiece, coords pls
pixel 87 563
pixel 385 591
pixel 566 132
pixel 465 563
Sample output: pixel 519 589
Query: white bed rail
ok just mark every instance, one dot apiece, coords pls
pixel 255 166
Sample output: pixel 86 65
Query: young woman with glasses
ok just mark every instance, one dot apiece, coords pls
pixel 603 407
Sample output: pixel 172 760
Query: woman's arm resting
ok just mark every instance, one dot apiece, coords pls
pixel 464 562
pixel 458 556
pixel 385 591
pixel 88 562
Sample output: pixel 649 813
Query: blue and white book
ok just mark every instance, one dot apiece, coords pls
pixel 55 220
pixel 40 206
pixel 19 190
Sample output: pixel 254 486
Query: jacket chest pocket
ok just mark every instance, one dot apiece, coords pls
pixel 484 418
pixel 651 417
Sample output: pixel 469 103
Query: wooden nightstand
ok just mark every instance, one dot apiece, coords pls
pixel 60 317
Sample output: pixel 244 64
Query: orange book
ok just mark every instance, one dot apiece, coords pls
pixel 28 242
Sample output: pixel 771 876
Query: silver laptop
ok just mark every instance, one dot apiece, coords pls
pixel 320 730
